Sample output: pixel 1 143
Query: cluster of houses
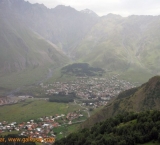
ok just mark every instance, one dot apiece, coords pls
pixel 7 101
pixel 97 92
pixel 100 89
pixel 73 115
pixel 41 128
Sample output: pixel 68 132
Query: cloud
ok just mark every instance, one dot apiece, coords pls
pixel 141 7
pixel 103 7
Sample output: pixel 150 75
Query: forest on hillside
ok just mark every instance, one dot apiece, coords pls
pixel 124 129
pixel 82 69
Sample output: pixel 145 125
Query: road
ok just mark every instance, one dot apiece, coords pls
pixel 73 122
pixel 83 107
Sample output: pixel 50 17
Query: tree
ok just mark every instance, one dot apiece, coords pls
pixel 154 133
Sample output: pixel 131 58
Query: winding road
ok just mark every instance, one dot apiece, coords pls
pixel 83 107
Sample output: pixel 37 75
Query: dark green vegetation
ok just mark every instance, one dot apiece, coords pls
pixel 82 69
pixel 145 97
pixel 14 136
pixel 62 98
pixel 124 129
pixel 65 129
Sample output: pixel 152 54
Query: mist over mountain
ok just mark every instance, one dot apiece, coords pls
pixel 40 45
pixel 62 25
pixel 89 12
pixel 122 43
pixel 22 48
pixel 119 44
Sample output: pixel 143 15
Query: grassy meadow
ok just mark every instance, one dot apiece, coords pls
pixel 33 109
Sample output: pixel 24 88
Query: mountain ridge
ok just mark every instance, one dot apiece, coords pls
pixel 56 25
pixel 123 45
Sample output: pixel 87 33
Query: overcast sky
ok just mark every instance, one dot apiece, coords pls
pixel 103 7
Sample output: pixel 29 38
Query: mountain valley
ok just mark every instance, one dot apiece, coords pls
pixel 77 70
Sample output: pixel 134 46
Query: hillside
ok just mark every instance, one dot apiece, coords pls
pixel 63 25
pixel 122 44
pixel 21 48
pixel 145 97
pixel 128 46
pixel 24 53
pixel 124 129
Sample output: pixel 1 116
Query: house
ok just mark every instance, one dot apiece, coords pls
pixel 70 122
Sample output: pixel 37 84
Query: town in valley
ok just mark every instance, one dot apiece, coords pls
pixel 91 93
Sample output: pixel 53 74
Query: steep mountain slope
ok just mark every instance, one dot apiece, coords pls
pixel 145 97
pixel 63 25
pixel 25 56
pixel 118 43
pixel 128 46
pixel 21 48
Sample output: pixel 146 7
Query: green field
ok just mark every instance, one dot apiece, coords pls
pixel 33 109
